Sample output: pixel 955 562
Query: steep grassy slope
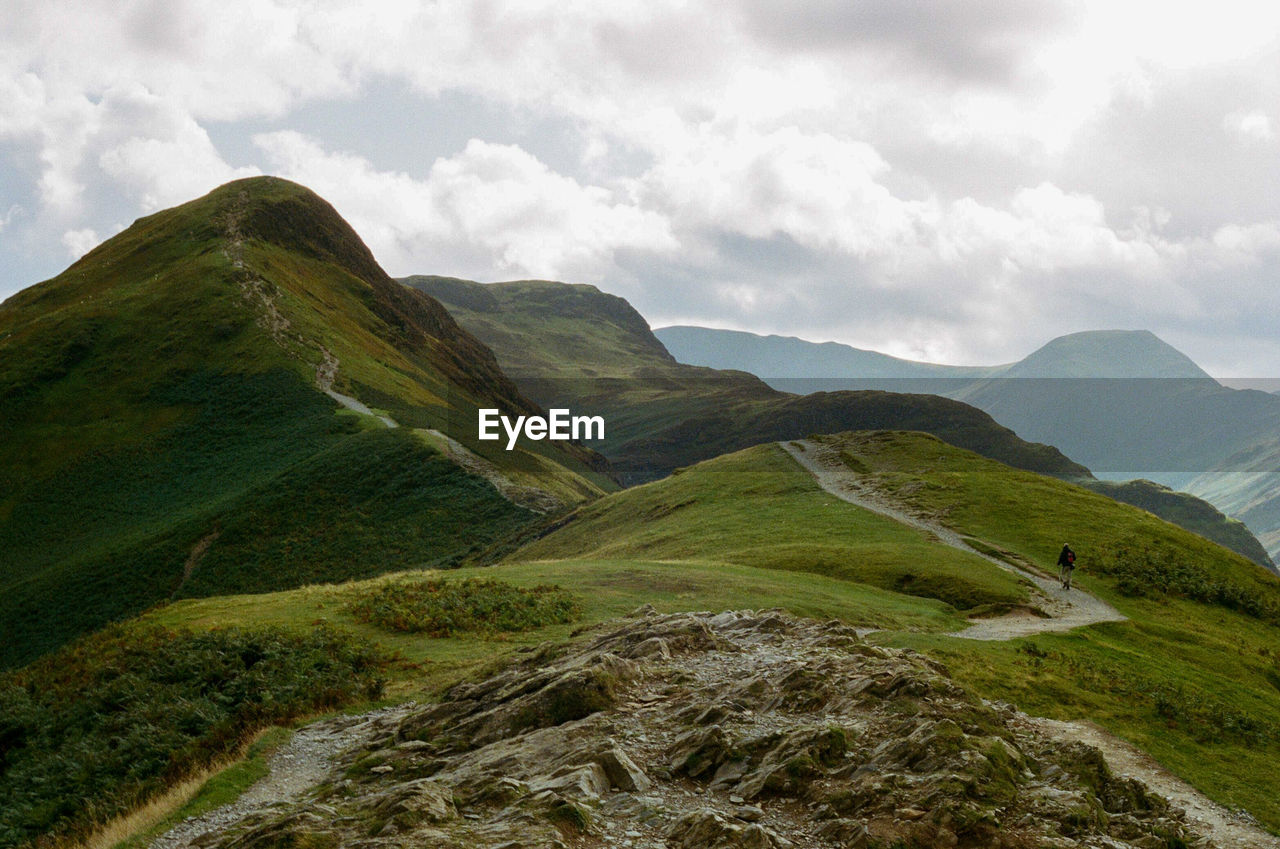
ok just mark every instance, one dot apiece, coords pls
pixel 1188 511
pixel 1192 677
pixel 579 330
pixel 163 429
pixel 576 346
pixel 97 728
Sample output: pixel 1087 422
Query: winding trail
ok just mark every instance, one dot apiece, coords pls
pixel 1064 610
pixel 294 769
pixel 1227 829
pixel 327 372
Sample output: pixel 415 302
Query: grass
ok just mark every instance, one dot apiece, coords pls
pixel 1191 678
pixel 1194 683
pixel 285 491
pixel 1033 515
pixel 197 795
pixel 759 508
pixel 606 589
pixel 444 608
pixel 161 392
pixel 1188 512
pixel 107 723
pixel 1195 695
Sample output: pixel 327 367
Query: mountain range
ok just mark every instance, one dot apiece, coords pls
pixel 241 487
pixel 1124 403
pixel 575 345
pixel 1092 354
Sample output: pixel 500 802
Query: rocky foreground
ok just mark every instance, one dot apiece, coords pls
pixel 750 729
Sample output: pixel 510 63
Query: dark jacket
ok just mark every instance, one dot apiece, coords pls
pixel 1067 557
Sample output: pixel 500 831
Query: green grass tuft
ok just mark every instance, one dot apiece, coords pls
pixel 444 608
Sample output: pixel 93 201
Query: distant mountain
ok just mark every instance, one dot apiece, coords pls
pixel 559 329
pixel 577 346
pixel 1106 354
pixel 1089 354
pixel 186 411
pixel 1122 402
pixel 789 357
pixel 1247 486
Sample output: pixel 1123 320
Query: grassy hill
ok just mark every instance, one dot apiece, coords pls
pixel 1191 677
pixel 578 347
pixel 170 421
pixel 757 508
pixel 1122 402
pixel 579 330
pixel 1187 511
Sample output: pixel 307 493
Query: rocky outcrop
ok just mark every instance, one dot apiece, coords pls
pixel 747 730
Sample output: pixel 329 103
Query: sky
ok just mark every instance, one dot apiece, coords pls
pixel 951 180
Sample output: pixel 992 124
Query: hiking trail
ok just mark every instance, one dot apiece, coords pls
pixel 293 770
pixel 1064 610
pixel 1228 829
pixel 705 762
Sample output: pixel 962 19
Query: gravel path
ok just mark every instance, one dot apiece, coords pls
pixel 1227 829
pixel 1065 609
pixel 293 770
pixel 1069 609
pixel 327 372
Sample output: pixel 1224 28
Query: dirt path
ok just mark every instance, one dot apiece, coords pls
pixel 1227 829
pixel 327 372
pixel 293 770
pixel 1065 609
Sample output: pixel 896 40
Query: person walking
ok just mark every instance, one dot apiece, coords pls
pixel 1066 565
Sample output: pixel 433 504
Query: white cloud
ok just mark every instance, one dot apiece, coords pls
pixel 1252 126
pixel 958 178
pixel 494 207
pixel 821 191
pixel 157 154
pixel 80 242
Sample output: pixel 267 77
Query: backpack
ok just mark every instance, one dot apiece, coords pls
pixel 1071 557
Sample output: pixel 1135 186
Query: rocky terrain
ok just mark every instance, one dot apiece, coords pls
pixel 742 729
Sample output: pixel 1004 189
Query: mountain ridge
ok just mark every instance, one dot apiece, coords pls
pixel 1089 353
pixel 165 428
pixel 665 414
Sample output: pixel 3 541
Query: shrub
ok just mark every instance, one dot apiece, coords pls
pixel 1150 569
pixel 441 608
pixel 90 732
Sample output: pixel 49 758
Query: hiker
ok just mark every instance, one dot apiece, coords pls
pixel 1066 565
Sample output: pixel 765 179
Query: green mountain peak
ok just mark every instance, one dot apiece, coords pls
pixel 170 422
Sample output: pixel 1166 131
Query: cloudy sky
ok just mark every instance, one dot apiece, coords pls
pixel 956 180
